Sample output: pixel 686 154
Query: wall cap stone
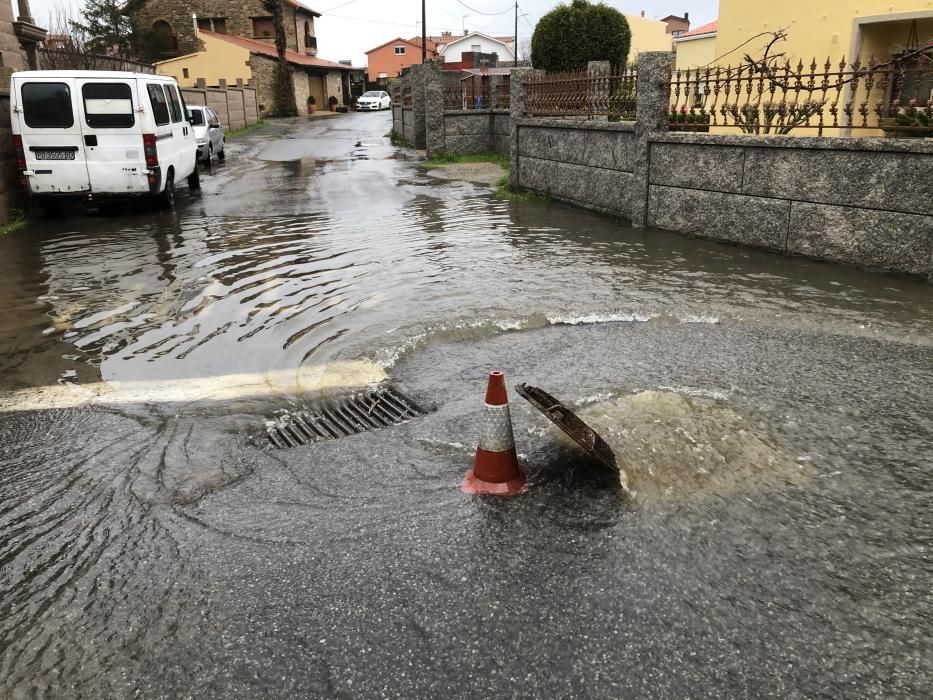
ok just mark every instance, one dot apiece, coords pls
pixel 830 143
pixel 575 124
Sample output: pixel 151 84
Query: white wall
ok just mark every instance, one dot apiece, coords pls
pixel 453 50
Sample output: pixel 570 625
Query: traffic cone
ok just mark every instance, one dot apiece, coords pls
pixel 496 471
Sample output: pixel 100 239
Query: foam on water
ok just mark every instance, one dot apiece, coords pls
pixel 674 447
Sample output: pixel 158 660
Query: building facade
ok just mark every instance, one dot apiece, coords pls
pixel 173 25
pixel 696 48
pixel 227 58
pixel 387 60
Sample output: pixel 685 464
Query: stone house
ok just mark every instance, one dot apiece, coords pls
pixel 227 58
pixel 174 24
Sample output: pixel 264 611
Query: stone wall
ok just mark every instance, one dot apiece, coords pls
pixel 862 201
pixel 334 86
pixel 263 71
pixel 11 60
pixel 475 131
pixel 586 163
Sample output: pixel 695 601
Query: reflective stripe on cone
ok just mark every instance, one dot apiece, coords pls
pixel 496 470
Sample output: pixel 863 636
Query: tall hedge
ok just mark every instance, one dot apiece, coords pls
pixel 569 36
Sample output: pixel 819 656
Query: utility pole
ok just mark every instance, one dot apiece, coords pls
pixel 424 35
pixel 515 37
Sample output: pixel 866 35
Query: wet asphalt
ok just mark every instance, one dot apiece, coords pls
pixel 159 547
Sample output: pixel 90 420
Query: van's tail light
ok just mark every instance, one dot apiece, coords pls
pixel 149 148
pixel 20 153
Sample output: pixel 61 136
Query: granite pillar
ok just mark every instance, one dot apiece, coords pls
pixel 653 96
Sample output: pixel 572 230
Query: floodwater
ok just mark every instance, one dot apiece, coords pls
pixel 773 415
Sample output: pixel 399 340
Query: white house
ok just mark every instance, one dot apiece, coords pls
pixel 451 46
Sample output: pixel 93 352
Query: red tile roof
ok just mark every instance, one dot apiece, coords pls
pixel 414 42
pixel 302 6
pixel 708 28
pixel 456 37
pixel 264 49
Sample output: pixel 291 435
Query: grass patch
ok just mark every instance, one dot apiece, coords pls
pixel 237 133
pixel 397 140
pixel 17 221
pixel 505 190
pixel 439 159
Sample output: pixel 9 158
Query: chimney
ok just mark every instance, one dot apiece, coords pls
pixel 642 13
pixel 686 15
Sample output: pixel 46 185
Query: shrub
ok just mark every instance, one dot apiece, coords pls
pixel 569 36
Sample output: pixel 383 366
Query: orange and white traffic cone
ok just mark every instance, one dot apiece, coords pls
pixel 496 471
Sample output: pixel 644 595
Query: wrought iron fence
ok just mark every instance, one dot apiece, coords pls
pixel 477 92
pixel 762 98
pixel 583 94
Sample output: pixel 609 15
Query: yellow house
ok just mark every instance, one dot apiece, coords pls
pixel 820 29
pixel 220 60
pixel 817 30
pixel 696 48
pixel 647 35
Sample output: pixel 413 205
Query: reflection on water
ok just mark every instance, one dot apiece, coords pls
pixel 201 296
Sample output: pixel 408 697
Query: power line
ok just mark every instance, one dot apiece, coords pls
pixel 372 21
pixel 337 7
pixel 480 12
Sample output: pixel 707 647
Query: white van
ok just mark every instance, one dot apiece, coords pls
pixel 101 134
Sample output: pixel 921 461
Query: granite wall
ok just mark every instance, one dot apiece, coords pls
pixel 586 163
pixel 475 131
pixel 862 201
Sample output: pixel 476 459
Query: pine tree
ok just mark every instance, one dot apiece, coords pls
pixel 105 29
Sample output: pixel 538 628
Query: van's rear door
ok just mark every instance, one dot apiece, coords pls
pixel 47 115
pixel 113 141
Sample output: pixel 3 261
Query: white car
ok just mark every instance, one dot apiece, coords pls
pixel 208 133
pixel 82 134
pixel 373 100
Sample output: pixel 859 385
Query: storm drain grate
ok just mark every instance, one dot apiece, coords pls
pixel 339 417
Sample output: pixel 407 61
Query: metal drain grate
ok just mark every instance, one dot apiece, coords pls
pixel 344 416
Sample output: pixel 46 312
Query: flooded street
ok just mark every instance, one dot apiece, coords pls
pixel 774 415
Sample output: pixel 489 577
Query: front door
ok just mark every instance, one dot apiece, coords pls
pixel 49 124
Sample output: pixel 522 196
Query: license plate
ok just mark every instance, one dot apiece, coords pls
pixel 55 155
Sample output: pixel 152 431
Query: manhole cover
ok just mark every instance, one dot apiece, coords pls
pixel 570 423
pixel 347 415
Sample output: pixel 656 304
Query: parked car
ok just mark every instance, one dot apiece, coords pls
pixel 373 100
pixel 208 133
pixel 100 135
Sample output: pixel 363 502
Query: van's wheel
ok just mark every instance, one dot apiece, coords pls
pixel 194 180
pixel 220 154
pixel 167 196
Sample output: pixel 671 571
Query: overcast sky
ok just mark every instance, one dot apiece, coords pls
pixel 349 27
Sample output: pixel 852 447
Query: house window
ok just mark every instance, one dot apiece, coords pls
pixel 399 50
pixel 184 72
pixel 677 32
pixel 263 28
pixel 308 36
pixel 165 36
pixel 476 48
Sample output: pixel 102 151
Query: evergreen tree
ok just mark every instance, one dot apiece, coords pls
pixel 569 36
pixel 104 28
